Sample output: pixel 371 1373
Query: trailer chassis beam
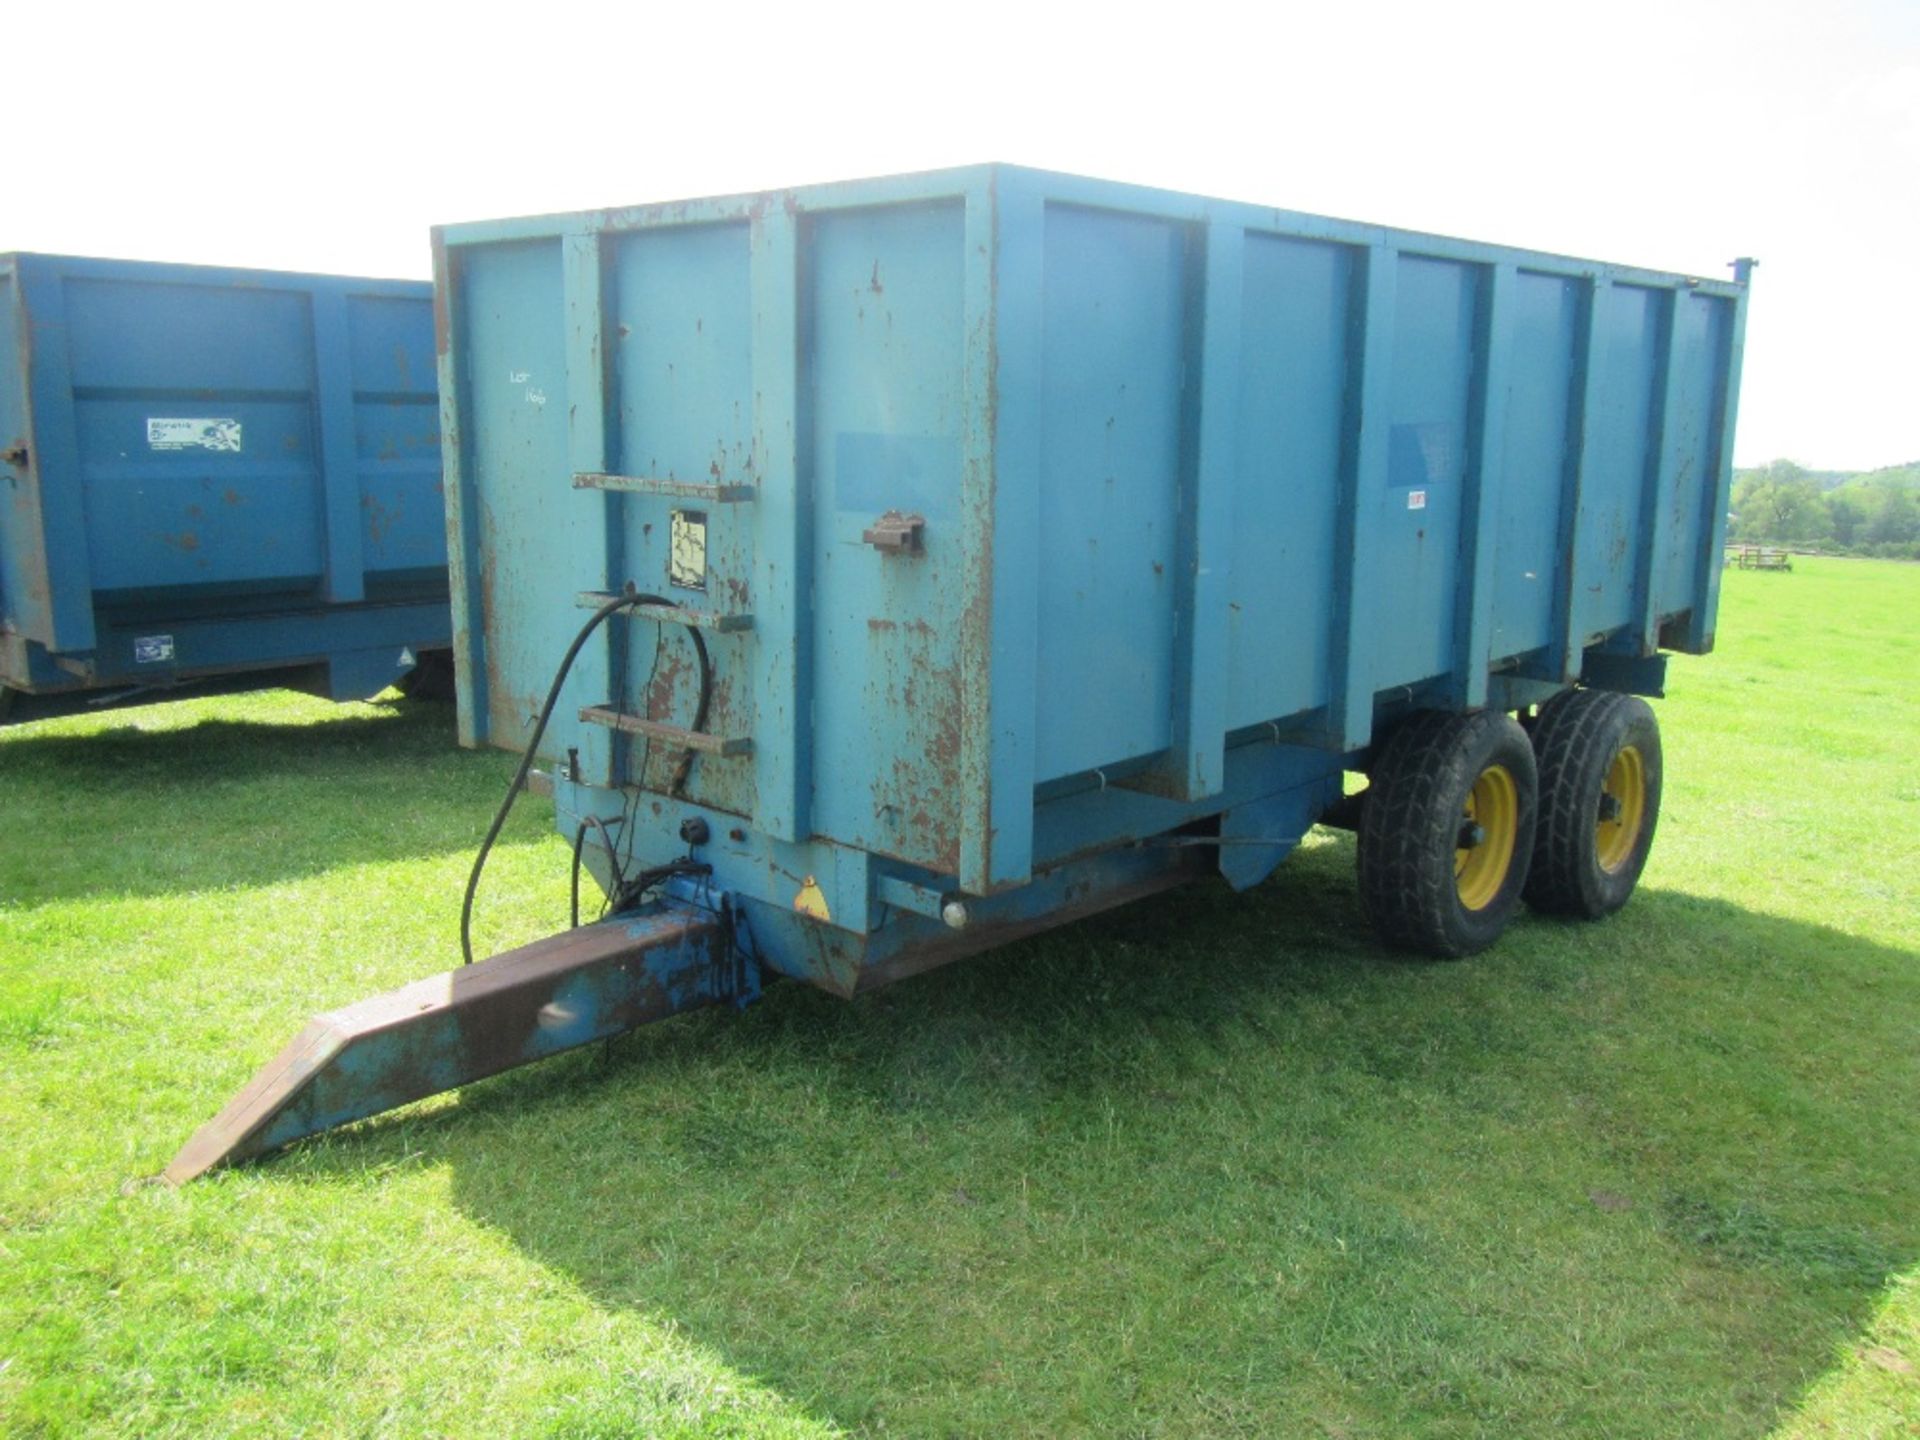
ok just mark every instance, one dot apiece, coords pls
pixel 436 1034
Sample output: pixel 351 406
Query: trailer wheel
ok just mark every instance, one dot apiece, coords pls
pixel 431 677
pixel 1599 756
pixel 1447 831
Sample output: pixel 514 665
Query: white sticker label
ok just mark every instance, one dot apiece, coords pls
pixel 1416 499
pixel 194 434
pixel 687 550
pixel 152 649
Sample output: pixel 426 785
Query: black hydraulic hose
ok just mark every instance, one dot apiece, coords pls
pixel 594 622
pixel 573 879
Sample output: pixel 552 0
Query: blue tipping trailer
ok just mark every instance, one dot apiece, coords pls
pixel 215 476
pixel 885 570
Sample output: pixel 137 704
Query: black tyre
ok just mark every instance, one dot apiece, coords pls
pixel 1599 756
pixel 1447 831
pixel 431 677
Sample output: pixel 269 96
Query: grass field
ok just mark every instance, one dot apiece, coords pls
pixel 1212 1166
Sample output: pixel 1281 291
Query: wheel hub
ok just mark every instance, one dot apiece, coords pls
pixel 1484 845
pixel 1623 806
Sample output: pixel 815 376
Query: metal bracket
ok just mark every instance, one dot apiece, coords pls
pixel 723 746
pixel 897 533
pixel 714 493
pixel 726 622
pixel 1632 674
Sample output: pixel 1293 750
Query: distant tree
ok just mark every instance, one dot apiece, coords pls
pixel 1898 522
pixel 1780 504
pixel 1785 472
pixel 1850 516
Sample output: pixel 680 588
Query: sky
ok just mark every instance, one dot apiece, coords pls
pixel 1675 135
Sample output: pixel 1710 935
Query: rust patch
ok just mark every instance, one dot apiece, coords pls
pixel 185 542
pixel 917 791
pixel 229 496
pixel 380 518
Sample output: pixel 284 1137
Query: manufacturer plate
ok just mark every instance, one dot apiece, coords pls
pixel 181 433
pixel 152 649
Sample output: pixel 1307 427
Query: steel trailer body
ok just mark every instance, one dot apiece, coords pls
pixel 971 551
pixel 214 475
pixel 1204 493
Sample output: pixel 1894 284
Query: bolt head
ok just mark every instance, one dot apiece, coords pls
pixel 954 913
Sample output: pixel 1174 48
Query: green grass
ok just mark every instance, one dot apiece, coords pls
pixel 1208 1166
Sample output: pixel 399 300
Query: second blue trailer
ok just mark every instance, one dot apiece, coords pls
pixel 215 477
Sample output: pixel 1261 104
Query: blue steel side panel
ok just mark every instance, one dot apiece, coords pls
pixel 682 347
pixel 59 613
pixel 682 302
pixel 194 517
pixel 1546 322
pixel 782 579
pixel 19 530
pixel 1363 476
pixel 1696 636
pixel 1693 435
pixel 1203 540
pixel 533 547
pixel 886 353
pixel 1005 432
pixel 1115 297
pixel 1612 488
pixel 1417 516
pixel 396 427
pixel 1298 296
pixel 357 640
pixel 1483 489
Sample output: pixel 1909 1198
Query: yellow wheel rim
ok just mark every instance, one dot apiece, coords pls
pixel 1491 817
pixel 1623 805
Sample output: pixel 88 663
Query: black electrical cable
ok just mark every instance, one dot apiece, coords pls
pixel 616 872
pixel 594 622
pixel 632 892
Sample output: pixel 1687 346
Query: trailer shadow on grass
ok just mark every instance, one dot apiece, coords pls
pixel 242 791
pixel 1217 1165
